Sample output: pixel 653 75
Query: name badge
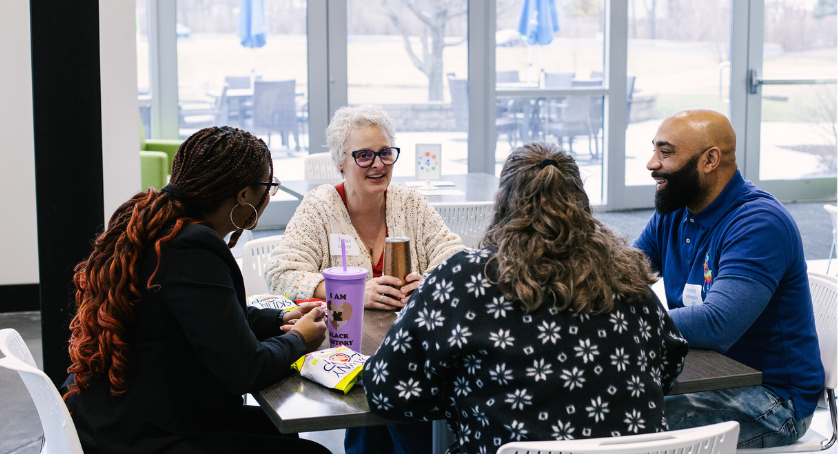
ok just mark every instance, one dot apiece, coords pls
pixel 349 242
pixel 692 295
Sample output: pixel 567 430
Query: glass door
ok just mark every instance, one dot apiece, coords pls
pixel 791 137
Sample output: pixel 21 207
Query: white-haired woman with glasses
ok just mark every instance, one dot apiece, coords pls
pixel 366 208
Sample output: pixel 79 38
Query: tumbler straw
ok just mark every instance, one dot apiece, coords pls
pixel 343 253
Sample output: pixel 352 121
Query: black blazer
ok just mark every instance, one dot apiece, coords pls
pixel 195 348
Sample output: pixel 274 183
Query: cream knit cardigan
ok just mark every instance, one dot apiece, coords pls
pixel 295 265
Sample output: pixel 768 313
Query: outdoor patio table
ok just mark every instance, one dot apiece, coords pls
pixel 296 404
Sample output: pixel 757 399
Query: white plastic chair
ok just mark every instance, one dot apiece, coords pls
pixel 824 291
pixel 467 219
pixel 321 167
pixel 833 216
pixel 715 439
pixel 59 431
pixel 254 257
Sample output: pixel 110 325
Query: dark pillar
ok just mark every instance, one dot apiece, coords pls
pixel 67 109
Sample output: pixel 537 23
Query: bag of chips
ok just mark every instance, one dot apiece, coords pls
pixel 337 368
pixel 268 301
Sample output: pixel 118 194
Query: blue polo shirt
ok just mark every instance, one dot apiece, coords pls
pixel 748 235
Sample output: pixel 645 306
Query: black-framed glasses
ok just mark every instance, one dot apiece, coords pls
pixel 273 184
pixel 365 158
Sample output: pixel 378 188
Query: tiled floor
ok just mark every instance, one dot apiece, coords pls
pixel 20 428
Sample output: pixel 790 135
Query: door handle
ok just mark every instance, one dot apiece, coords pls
pixel 754 81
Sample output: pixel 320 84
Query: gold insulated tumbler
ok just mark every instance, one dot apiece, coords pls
pixel 397 257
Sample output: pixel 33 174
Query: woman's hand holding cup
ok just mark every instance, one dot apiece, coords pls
pixel 384 293
pixel 413 281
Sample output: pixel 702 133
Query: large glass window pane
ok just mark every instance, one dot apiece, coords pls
pixel 411 58
pixel 678 54
pixel 260 87
pixel 143 73
pixel 798 132
pixel 541 50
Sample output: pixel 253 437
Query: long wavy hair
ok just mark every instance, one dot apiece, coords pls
pixel 210 167
pixel 548 247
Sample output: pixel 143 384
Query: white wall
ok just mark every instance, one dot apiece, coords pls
pixel 18 226
pixel 120 125
pixel 120 114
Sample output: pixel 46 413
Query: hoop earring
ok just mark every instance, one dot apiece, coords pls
pixel 251 225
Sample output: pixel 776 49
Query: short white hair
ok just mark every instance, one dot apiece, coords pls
pixel 351 117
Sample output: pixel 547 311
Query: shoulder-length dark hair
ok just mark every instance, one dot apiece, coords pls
pixel 548 247
pixel 210 166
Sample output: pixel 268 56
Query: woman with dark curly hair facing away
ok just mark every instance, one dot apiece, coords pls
pixel 163 345
pixel 550 331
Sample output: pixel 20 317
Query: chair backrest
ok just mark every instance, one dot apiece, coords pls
pixel 466 219
pixel 459 101
pixel 321 167
pixel 255 257
pixel 507 77
pixel 274 107
pixel 238 82
pixel 824 290
pixel 154 168
pixel 558 80
pixel 59 431
pixel 833 216
pixel 714 439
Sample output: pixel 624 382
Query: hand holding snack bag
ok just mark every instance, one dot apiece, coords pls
pixel 268 301
pixel 338 368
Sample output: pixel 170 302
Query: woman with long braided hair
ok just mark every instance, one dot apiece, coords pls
pixel 163 345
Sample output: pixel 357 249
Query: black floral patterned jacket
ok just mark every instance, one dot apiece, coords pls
pixel 461 351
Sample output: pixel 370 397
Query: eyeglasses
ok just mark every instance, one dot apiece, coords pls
pixel 274 185
pixel 365 158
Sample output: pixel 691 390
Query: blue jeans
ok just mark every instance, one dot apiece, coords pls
pixel 410 438
pixel 765 419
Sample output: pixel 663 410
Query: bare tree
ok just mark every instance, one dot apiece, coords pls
pixel 434 16
pixel 652 16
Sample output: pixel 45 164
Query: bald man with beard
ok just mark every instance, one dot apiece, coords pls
pixel 732 262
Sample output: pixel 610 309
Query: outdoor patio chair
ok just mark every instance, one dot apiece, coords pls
pixel 238 108
pixel 466 219
pixel 824 290
pixel 195 115
pixel 239 82
pixel 275 110
pixel 714 439
pixel 321 167
pixel 254 259
pixel 506 121
pixel 60 434
pixel 580 115
pixel 506 77
pixel 629 92
pixel 558 80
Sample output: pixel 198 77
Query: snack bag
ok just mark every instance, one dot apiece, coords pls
pixel 337 368
pixel 268 301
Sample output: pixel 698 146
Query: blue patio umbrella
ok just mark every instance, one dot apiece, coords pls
pixel 252 29
pixel 538 23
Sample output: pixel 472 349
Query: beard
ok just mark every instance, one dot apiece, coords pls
pixel 682 187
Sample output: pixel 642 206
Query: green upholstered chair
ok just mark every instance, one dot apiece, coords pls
pixel 154 169
pixel 155 172
pixel 164 145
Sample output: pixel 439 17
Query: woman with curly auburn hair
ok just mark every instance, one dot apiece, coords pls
pixel 550 331
pixel 163 345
